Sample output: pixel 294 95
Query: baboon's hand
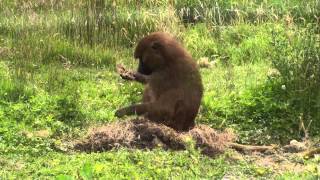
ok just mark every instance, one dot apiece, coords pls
pixel 130 75
pixel 135 109
pixel 120 112
pixel 125 74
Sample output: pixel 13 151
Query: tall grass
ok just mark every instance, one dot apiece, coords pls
pixel 298 61
pixel 220 12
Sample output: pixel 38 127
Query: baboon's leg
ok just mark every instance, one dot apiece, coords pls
pixel 182 119
pixel 148 95
pixel 164 109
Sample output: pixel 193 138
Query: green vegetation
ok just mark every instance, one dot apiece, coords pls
pixel 57 79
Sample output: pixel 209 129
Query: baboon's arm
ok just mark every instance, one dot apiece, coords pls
pixel 163 108
pixel 140 77
pixel 137 109
pixel 130 75
pixel 152 111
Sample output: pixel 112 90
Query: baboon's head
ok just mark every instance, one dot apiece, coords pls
pixel 156 51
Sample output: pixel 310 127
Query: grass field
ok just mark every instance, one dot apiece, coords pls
pixel 58 79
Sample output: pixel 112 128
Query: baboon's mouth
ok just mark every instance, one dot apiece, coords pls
pixel 145 71
pixel 143 68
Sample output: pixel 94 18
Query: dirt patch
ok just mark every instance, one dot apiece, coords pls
pixel 280 162
pixel 141 133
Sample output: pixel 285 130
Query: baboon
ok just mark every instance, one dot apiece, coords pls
pixel 173 89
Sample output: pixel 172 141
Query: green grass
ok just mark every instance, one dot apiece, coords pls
pixel 58 79
pixel 122 164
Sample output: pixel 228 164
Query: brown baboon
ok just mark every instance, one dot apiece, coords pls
pixel 173 83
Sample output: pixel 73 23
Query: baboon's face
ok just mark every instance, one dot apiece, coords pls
pixel 150 53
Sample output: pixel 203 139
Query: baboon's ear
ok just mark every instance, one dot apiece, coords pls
pixel 155 45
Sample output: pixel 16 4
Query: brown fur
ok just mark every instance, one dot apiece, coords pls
pixel 173 83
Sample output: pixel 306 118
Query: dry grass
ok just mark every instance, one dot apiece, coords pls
pixel 141 133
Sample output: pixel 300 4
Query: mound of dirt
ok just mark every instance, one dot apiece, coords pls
pixel 141 133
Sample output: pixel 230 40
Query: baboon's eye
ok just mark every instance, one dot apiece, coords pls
pixel 155 45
